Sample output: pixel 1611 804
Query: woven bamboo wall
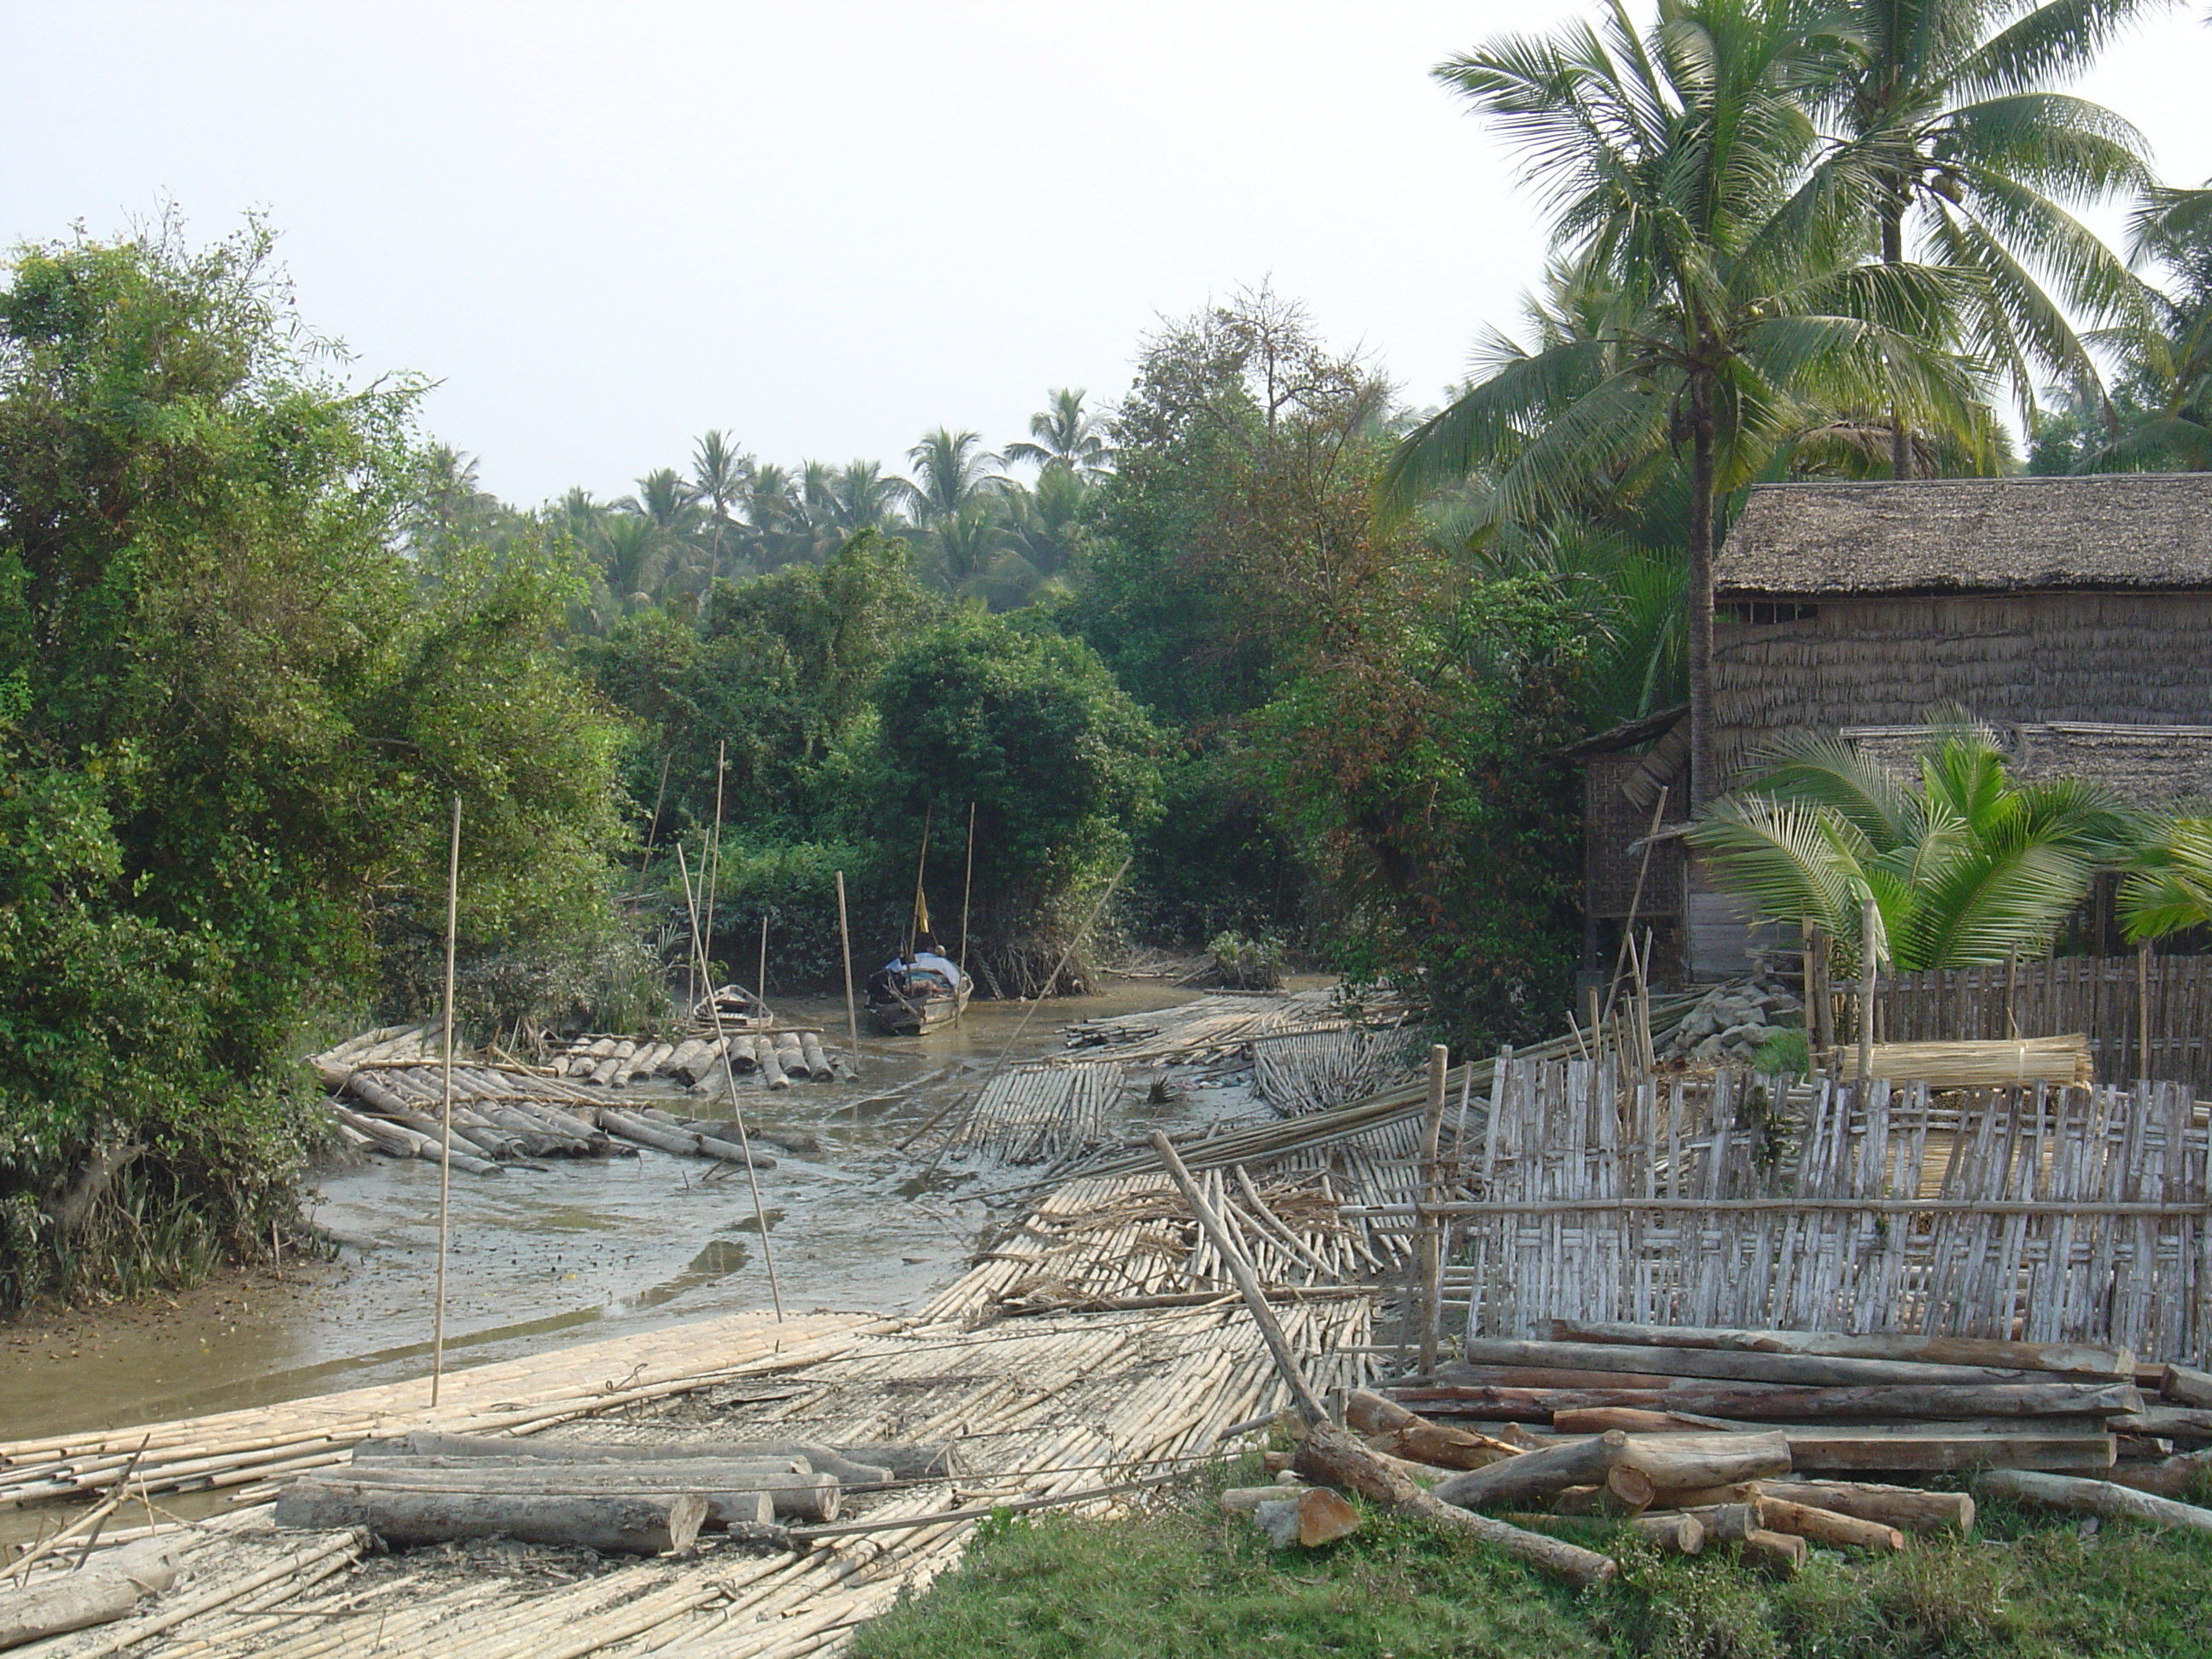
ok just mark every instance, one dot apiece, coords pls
pixel 2097 996
pixel 1613 824
pixel 2127 658
pixel 2047 1215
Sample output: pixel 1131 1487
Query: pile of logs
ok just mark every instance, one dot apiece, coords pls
pixel 1843 1403
pixel 1686 1438
pixel 780 1056
pixel 646 1499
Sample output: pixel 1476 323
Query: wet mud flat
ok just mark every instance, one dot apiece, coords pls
pixel 587 1248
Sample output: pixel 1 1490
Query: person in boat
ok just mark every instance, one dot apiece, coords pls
pixel 929 962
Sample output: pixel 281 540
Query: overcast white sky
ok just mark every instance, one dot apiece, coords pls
pixel 821 225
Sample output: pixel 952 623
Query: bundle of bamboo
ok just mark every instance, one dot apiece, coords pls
pixel 2062 1060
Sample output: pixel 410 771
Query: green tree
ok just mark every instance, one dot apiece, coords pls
pixel 1967 867
pixel 2167 889
pixel 1059 763
pixel 1951 102
pixel 952 471
pixel 1677 167
pixel 1065 437
pixel 233 707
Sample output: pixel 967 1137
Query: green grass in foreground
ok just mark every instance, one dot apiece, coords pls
pixel 1181 1580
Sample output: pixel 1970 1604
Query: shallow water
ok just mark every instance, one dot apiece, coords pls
pixel 584 1250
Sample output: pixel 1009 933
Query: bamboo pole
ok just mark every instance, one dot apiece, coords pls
pixel 713 873
pixel 852 1009
pixel 760 979
pixel 1868 920
pixel 1432 1255
pixel 1255 1299
pixel 921 866
pixel 445 1114
pixel 730 1080
pixel 967 890
pixel 2142 1010
pixel 1635 903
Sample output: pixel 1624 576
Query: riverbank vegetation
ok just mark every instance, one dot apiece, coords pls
pixel 1302 653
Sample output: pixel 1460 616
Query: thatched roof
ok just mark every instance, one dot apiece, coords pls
pixel 2139 529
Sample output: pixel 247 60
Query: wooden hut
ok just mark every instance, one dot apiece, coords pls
pixel 2074 615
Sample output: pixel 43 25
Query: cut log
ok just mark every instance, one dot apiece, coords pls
pixel 770 1064
pixel 735 1489
pixel 1596 1419
pixel 99 1594
pixel 862 1464
pixel 1778 1553
pixel 2103 1498
pixel 2171 1477
pixel 724 1471
pixel 1694 1498
pixel 683 1143
pixel 1826 1527
pixel 1706 1460
pixel 1330 1456
pixel 818 1061
pixel 1517 1374
pixel 1309 1518
pixel 611 1523
pixel 2185 1387
pixel 2167 1422
pixel 1536 1475
pixel 2065 1358
pixel 1632 1489
pixel 689 1063
pixel 1819 1370
pixel 1938 1403
pixel 1725 1524
pixel 1840 1449
pixel 1242 1500
pixel 1909 1509
pixel 1671 1534
pixel 1600 1500
pixel 390 1136
pixel 1402 1434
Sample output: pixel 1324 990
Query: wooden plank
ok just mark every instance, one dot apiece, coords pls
pixel 1816 1370
pixel 1936 1349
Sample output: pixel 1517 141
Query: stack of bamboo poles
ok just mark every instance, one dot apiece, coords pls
pixel 2062 1060
pixel 1214 1029
pixel 779 1054
pixel 242 1448
pixel 1298 1072
pixel 1132 1242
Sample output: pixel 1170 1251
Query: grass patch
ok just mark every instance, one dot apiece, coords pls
pixel 1181 1580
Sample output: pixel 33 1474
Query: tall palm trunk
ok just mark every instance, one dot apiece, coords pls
pixel 1703 784
pixel 1893 254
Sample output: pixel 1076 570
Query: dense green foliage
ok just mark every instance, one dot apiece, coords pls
pixel 232 712
pixel 1181 1580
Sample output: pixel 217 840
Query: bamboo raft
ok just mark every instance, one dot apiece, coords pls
pixel 1218 1029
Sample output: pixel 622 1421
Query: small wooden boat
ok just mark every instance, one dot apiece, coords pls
pixel 917 999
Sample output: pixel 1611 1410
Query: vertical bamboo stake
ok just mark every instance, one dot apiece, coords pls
pixel 2012 991
pixel 1635 902
pixel 729 1082
pixel 1868 920
pixel 1432 1255
pixel 967 890
pixel 446 1117
pixel 2143 1010
pixel 760 979
pixel 920 865
pixel 852 1010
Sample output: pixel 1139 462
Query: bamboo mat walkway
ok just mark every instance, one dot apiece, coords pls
pixel 1034 1407
pixel 515 1396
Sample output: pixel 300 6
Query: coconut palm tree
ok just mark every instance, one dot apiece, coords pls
pixel 1677 168
pixel 1064 435
pixel 1951 101
pixel 719 473
pixel 861 498
pixel 1967 867
pixel 951 470
pixel 2169 886
pixel 2164 391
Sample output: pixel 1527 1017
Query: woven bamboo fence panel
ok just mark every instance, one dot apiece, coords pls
pixel 2098 996
pixel 2040 1214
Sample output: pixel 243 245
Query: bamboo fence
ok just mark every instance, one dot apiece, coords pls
pixel 2099 996
pixel 1298 1072
pixel 2037 1214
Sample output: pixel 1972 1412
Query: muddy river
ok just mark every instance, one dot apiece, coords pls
pixel 583 1251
